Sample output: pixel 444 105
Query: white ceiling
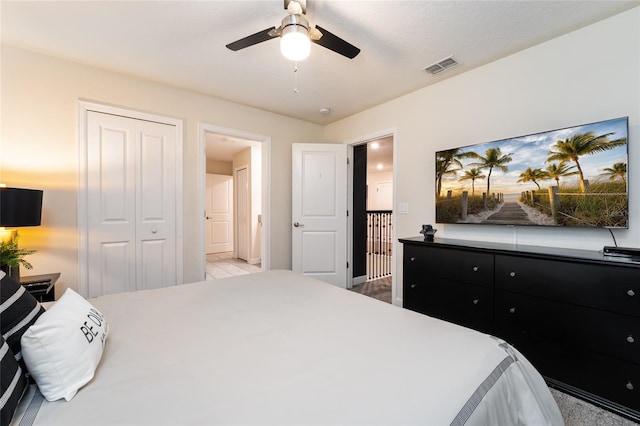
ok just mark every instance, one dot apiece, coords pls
pixel 182 43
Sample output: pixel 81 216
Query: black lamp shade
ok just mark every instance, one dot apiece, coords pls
pixel 20 207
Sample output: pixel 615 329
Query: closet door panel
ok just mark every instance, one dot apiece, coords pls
pixel 156 201
pixel 111 153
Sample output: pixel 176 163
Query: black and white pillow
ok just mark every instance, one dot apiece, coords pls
pixel 12 383
pixel 18 311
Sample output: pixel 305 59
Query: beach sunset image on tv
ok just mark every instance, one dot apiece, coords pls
pixel 574 177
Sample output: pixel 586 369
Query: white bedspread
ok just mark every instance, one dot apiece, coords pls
pixel 278 348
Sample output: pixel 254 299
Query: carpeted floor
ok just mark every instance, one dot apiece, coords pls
pixel 574 411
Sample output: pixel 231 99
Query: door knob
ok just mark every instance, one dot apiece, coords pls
pixel 154 231
pixel 298 224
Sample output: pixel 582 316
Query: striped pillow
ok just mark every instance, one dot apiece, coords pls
pixel 18 311
pixel 12 383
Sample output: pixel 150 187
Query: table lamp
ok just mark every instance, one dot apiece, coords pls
pixel 18 207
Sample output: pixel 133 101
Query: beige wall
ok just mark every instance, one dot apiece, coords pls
pixel 39 149
pixel 219 167
pixel 589 75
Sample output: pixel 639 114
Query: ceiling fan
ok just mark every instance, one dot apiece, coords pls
pixel 296 34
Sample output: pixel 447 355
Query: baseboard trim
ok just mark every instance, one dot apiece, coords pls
pixel 359 280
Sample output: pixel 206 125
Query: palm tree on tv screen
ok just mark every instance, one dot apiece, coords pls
pixel 618 170
pixel 533 175
pixel 558 170
pixel 493 159
pixel 472 175
pixel 447 163
pixel 578 145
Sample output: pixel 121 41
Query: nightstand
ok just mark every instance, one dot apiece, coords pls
pixel 42 287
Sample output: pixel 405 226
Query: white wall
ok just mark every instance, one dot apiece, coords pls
pixel 39 149
pixel 589 75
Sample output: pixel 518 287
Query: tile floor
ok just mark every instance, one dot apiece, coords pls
pixel 224 265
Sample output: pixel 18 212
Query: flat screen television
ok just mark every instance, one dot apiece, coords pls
pixel 571 177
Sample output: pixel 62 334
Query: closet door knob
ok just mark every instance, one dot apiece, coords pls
pixel 413 259
pixel 630 339
pixel 631 292
pixel 629 385
pixel 413 285
pixel 476 301
pixel 475 269
pixel 512 274
pixel 512 310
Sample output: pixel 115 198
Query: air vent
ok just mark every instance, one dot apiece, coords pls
pixel 443 64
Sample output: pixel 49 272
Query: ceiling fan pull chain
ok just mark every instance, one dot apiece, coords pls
pixel 295 77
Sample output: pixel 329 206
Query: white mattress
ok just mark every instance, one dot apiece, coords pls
pixel 280 348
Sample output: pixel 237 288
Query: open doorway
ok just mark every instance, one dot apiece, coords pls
pixel 373 218
pixel 234 232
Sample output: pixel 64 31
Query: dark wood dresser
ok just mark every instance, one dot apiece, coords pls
pixel 575 314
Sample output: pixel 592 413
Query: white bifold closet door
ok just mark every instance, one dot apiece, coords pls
pixel 131 182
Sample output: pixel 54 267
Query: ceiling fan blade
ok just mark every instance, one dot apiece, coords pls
pixel 256 38
pixel 335 43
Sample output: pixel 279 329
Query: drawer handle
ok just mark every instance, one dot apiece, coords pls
pixel 512 274
pixel 630 339
pixel 475 269
pixel 413 259
pixel 512 310
pixel 476 301
pixel 413 285
pixel 631 293
pixel 629 385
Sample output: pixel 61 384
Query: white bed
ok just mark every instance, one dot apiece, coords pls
pixel 279 348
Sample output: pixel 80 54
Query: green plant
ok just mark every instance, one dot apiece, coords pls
pixel 13 256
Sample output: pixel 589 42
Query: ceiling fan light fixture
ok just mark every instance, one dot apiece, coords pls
pixel 295 44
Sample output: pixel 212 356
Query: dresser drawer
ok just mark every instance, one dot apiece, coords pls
pixel 607 377
pixel 464 304
pixel 456 265
pixel 611 288
pixel 598 331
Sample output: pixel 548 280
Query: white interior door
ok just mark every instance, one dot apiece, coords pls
pixel 319 211
pixel 384 196
pixel 219 213
pixel 242 213
pixel 131 199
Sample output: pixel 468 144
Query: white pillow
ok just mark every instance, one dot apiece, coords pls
pixel 64 346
